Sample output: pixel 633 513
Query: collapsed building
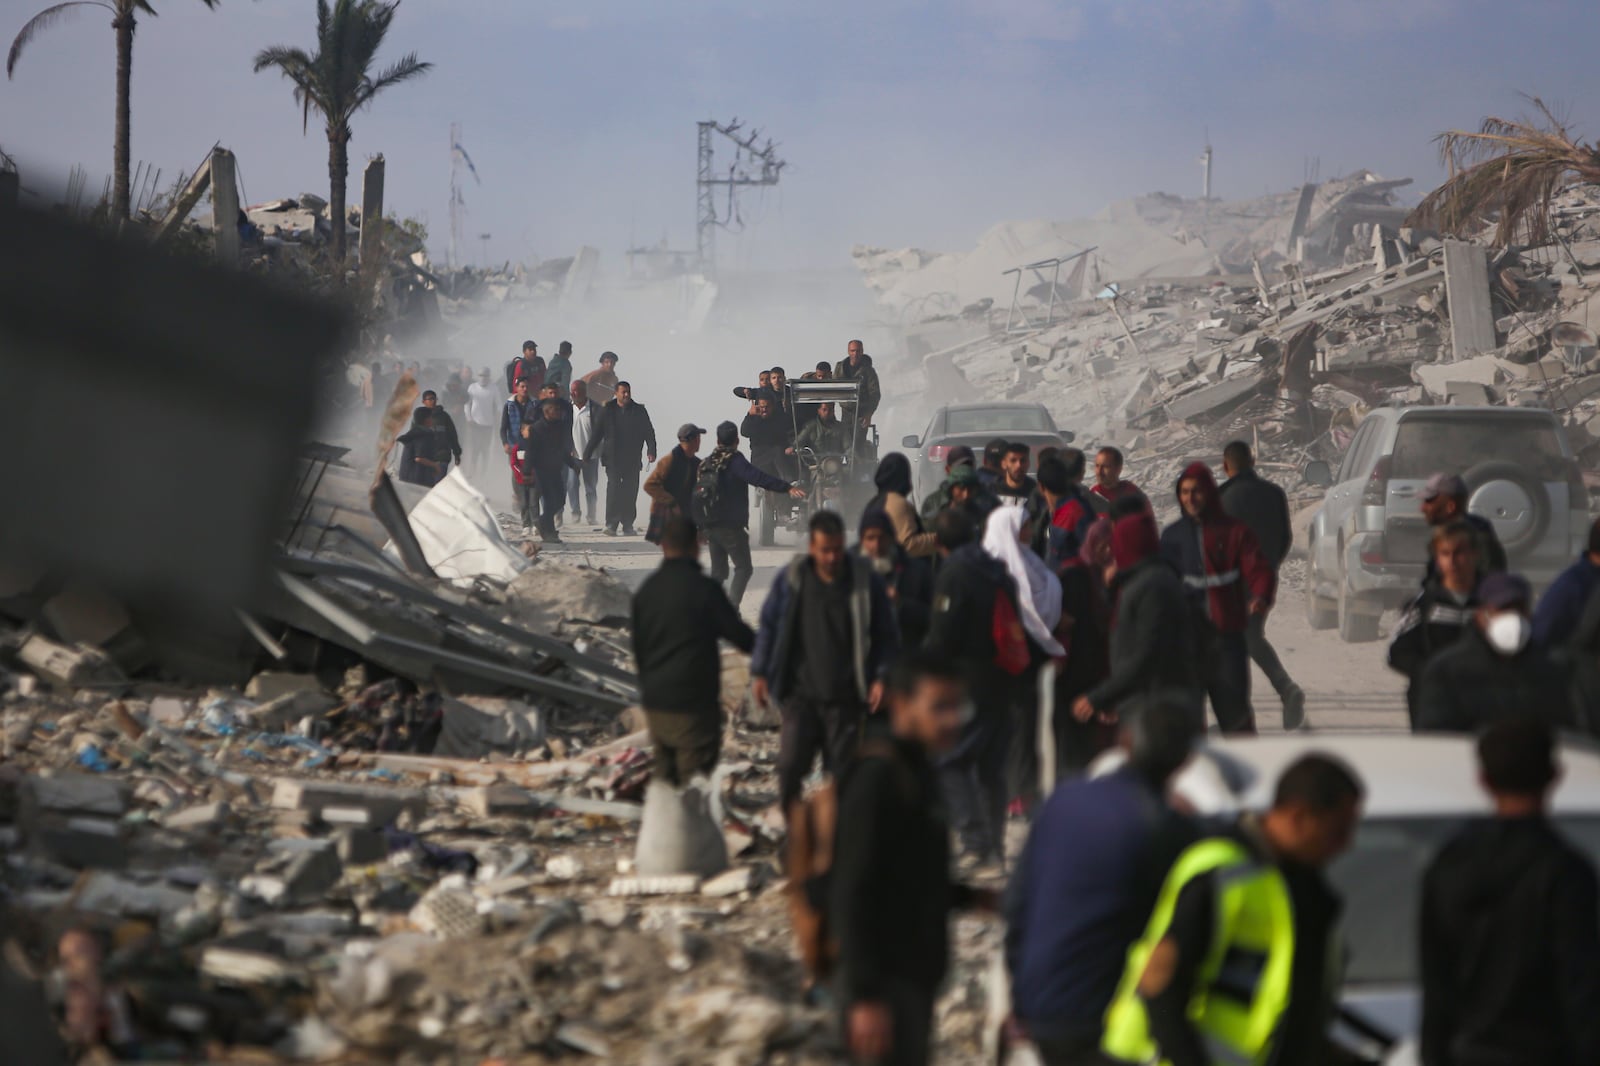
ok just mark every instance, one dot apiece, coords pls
pixel 1171 326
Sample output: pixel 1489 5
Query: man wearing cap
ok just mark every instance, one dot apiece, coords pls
pixel 1494 671
pixel 483 406
pixel 1444 497
pixel 726 524
pixel 559 372
pixel 671 483
pixel 527 365
pixel 621 431
pixel 603 382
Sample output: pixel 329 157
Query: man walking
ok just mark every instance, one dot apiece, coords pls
pixel 890 891
pixel 1153 650
pixel 527 365
pixel 516 412
pixel 603 381
pixel 827 635
pixel 1560 609
pixel 446 426
pixel 722 508
pixel 1087 881
pixel 1227 581
pixel 559 372
pixel 621 431
pixel 587 475
pixel 671 483
pixel 483 407
pixel 1109 484
pixel 679 615
pixel 549 456
pixel 1264 508
pixel 1509 936
pixel 1236 964
pixel 976 626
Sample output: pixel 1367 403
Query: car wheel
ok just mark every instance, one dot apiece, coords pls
pixel 767 519
pixel 1321 612
pixel 1355 627
pixel 1497 486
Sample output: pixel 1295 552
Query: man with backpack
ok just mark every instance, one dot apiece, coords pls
pixel 889 889
pixel 976 627
pixel 720 506
pixel 526 367
pixel 826 637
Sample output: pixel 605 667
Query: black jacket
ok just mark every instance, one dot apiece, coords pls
pixel 961 627
pixel 1469 686
pixel 734 481
pixel 678 616
pixel 1510 949
pixel 1431 623
pixel 547 450
pixel 889 889
pixel 1262 506
pixel 871 392
pixel 1153 645
pixel 768 438
pixel 620 433
pixel 910 581
pixel 1491 553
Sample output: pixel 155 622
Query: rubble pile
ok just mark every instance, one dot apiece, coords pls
pixel 1289 352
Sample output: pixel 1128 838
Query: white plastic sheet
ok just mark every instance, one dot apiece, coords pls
pixel 460 537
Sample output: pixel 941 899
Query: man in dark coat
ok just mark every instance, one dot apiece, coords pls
pixel 549 455
pixel 889 889
pixel 671 484
pixel 826 639
pixel 768 437
pixel 910 581
pixel 622 429
pixel 1510 930
pixel 1494 671
pixel 425 448
pixel 1153 650
pixel 962 630
pixel 1555 621
pixel 1444 499
pixel 1442 611
pixel 727 523
pixel 679 615
pixel 1264 507
pixel 1227 580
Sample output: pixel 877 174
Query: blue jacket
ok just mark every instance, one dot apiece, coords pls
pixel 874 632
pixel 732 510
pixel 1556 619
pixel 1080 896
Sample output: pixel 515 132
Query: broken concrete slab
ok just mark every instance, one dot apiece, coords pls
pixel 380 804
pixel 1466 279
pixel 67 667
pixel 360 846
pixel 272 684
pixel 203 817
pixel 1485 370
pixel 79 842
pixel 733 882
pixel 291 707
pixel 73 794
pixel 500 800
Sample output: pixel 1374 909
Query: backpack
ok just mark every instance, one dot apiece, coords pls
pixel 813 825
pixel 707 487
pixel 1010 641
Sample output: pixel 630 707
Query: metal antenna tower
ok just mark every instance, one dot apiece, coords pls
pixel 460 166
pixel 752 165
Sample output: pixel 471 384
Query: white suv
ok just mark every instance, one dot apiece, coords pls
pixel 1367 546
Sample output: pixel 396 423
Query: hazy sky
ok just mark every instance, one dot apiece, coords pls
pixel 904 123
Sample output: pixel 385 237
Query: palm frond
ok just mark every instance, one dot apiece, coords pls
pixel 41 22
pixel 1513 169
pixel 404 70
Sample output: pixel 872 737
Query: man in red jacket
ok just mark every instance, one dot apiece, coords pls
pixel 1227 580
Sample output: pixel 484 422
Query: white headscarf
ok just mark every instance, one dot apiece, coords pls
pixel 1038 590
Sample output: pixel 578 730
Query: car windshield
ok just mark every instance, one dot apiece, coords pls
pixel 1381 883
pixel 996 420
pixel 1427 444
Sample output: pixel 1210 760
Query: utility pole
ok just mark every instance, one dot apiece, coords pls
pixel 460 166
pixel 752 165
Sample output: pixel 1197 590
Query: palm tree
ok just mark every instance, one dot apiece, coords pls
pixel 336 84
pixel 123 16
pixel 1510 168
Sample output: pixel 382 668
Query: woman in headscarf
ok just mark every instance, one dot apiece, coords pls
pixel 1006 537
pixel 893 499
pixel 1086 623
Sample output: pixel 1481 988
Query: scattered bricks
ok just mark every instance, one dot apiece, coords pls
pixel 271 684
pixel 380 804
pixel 67 667
pixel 360 846
pixel 206 816
pixel 169 712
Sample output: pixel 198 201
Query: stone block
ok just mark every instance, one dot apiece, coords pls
pixel 270 684
pixel 285 710
pixel 206 816
pixel 65 666
pixel 494 801
pixel 380 804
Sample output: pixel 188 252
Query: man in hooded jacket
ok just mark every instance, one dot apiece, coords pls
pixel 894 491
pixel 1228 580
pixel 1152 629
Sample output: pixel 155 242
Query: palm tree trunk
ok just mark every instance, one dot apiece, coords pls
pixel 338 173
pixel 123 24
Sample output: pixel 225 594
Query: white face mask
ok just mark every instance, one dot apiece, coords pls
pixel 1508 632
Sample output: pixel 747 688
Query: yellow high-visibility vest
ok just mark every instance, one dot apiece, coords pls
pixel 1241 989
